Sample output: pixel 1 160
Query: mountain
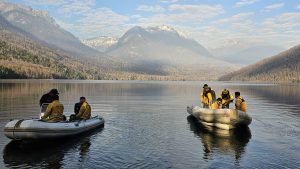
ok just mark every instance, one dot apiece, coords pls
pixel 31 41
pixel 24 56
pixel 101 43
pixel 284 67
pixel 245 53
pixel 164 51
pixel 42 26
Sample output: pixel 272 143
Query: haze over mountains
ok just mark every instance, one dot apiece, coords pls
pixel 243 52
pixel 160 50
pixel 32 39
pixel 24 56
pixel 163 50
pixel 284 67
pixel 155 51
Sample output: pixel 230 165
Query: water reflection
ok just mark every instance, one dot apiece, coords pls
pixel 48 154
pixel 228 142
pixel 84 149
pixel 147 127
pixel 283 94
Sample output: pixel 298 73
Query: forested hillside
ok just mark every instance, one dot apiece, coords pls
pixel 284 67
pixel 23 57
pixel 33 45
pixel 43 27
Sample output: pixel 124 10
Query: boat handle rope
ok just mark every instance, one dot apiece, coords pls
pixel 17 125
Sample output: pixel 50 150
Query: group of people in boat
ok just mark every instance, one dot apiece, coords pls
pixel 55 109
pixel 209 100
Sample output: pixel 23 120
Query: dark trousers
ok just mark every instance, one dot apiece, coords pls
pixel 74 118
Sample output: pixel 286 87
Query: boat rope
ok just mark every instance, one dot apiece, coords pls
pixel 17 125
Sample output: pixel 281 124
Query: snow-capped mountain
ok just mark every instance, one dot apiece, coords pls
pixel 163 49
pixel 165 28
pixel 155 41
pixel 100 43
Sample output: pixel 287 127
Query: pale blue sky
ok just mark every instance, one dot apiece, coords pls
pixel 210 22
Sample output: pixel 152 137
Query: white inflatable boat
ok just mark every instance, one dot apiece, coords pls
pixel 221 118
pixel 37 129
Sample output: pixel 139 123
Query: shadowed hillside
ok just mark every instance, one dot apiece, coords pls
pixel 284 67
pixel 45 28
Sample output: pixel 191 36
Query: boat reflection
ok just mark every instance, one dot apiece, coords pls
pixel 46 154
pixel 226 142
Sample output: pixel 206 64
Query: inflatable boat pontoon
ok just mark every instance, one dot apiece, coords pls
pixel 221 118
pixel 37 129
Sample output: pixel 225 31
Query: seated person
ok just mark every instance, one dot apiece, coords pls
pixel 77 108
pixel 54 112
pixel 227 98
pixel 207 96
pixel 217 104
pixel 48 97
pixel 240 103
pixel 84 111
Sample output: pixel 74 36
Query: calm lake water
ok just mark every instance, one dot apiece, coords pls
pixel 147 126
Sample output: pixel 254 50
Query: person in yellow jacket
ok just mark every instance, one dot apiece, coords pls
pixel 227 98
pixel 240 103
pixel 207 96
pixel 54 112
pixel 85 110
pixel 217 104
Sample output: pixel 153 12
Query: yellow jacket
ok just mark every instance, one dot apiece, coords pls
pixel 54 112
pixel 206 100
pixel 215 105
pixel 240 104
pixel 85 111
pixel 228 100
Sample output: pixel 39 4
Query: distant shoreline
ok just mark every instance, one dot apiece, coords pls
pixel 137 80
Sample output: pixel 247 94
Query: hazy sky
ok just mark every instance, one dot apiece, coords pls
pixel 212 23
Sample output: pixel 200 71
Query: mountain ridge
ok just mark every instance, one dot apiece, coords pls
pixel 159 52
pixel 24 56
pixel 283 67
pixel 100 43
pixel 44 27
pixel 164 52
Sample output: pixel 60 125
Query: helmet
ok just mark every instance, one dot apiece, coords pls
pixel 225 92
